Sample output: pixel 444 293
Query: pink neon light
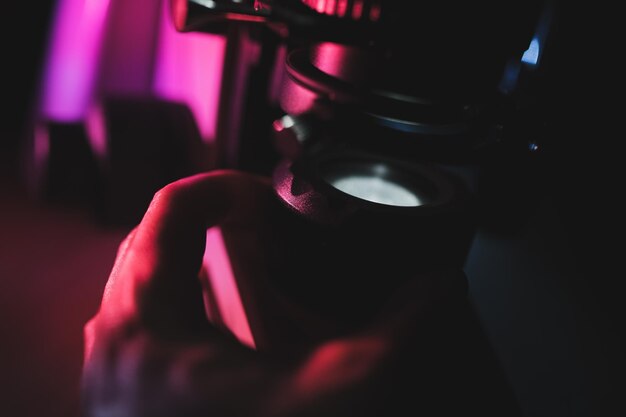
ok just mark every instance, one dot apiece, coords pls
pixel 357 9
pixel 189 70
pixel 127 62
pixel 342 8
pixel 375 12
pixel 278 75
pixel 71 65
pixel 320 6
pixel 330 7
pixel 41 148
pixel 330 58
pixel 224 287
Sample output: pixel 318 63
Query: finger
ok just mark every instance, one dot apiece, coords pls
pixel 157 275
pixel 171 236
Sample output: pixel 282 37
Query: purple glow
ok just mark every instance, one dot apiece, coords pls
pixel 41 148
pixel 71 65
pixel 357 9
pixel 224 287
pixel 330 7
pixel 320 6
pixel 96 130
pixel 278 75
pixel 342 8
pixel 127 63
pixel 375 12
pixel 330 58
pixel 189 70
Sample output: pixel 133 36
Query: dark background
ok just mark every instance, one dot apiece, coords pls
pixel 54 260
pixel 551 296
pixel 23 34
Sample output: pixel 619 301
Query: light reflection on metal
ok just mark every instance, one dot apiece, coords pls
pixel 531 55
pixel 239 17
pixel 530 59
pixel 207 3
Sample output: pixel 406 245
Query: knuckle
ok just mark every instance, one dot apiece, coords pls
pixel 166 193
pixel 168 196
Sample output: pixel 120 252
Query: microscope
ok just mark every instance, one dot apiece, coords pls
pixel 390 131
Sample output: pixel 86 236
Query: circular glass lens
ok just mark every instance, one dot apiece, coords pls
pixel 375 184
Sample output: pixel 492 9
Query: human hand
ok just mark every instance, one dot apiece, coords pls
pixel 150 350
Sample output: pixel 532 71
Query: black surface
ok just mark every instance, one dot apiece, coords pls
pixel 23 37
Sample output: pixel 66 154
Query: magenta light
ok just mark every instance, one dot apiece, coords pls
pixel 331 7
pixel 95 124
pixel 71 64
pixel 357 9
pixel 375 12
pixel 127 63
pixel 189 70
pixel 342 8
pixel 224 287
pixel 321 6
pixel 41 150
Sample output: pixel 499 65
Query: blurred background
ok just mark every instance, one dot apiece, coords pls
pixel 549 294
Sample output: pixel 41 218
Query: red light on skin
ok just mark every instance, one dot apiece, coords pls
pixel 339 364
pixel 224 288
